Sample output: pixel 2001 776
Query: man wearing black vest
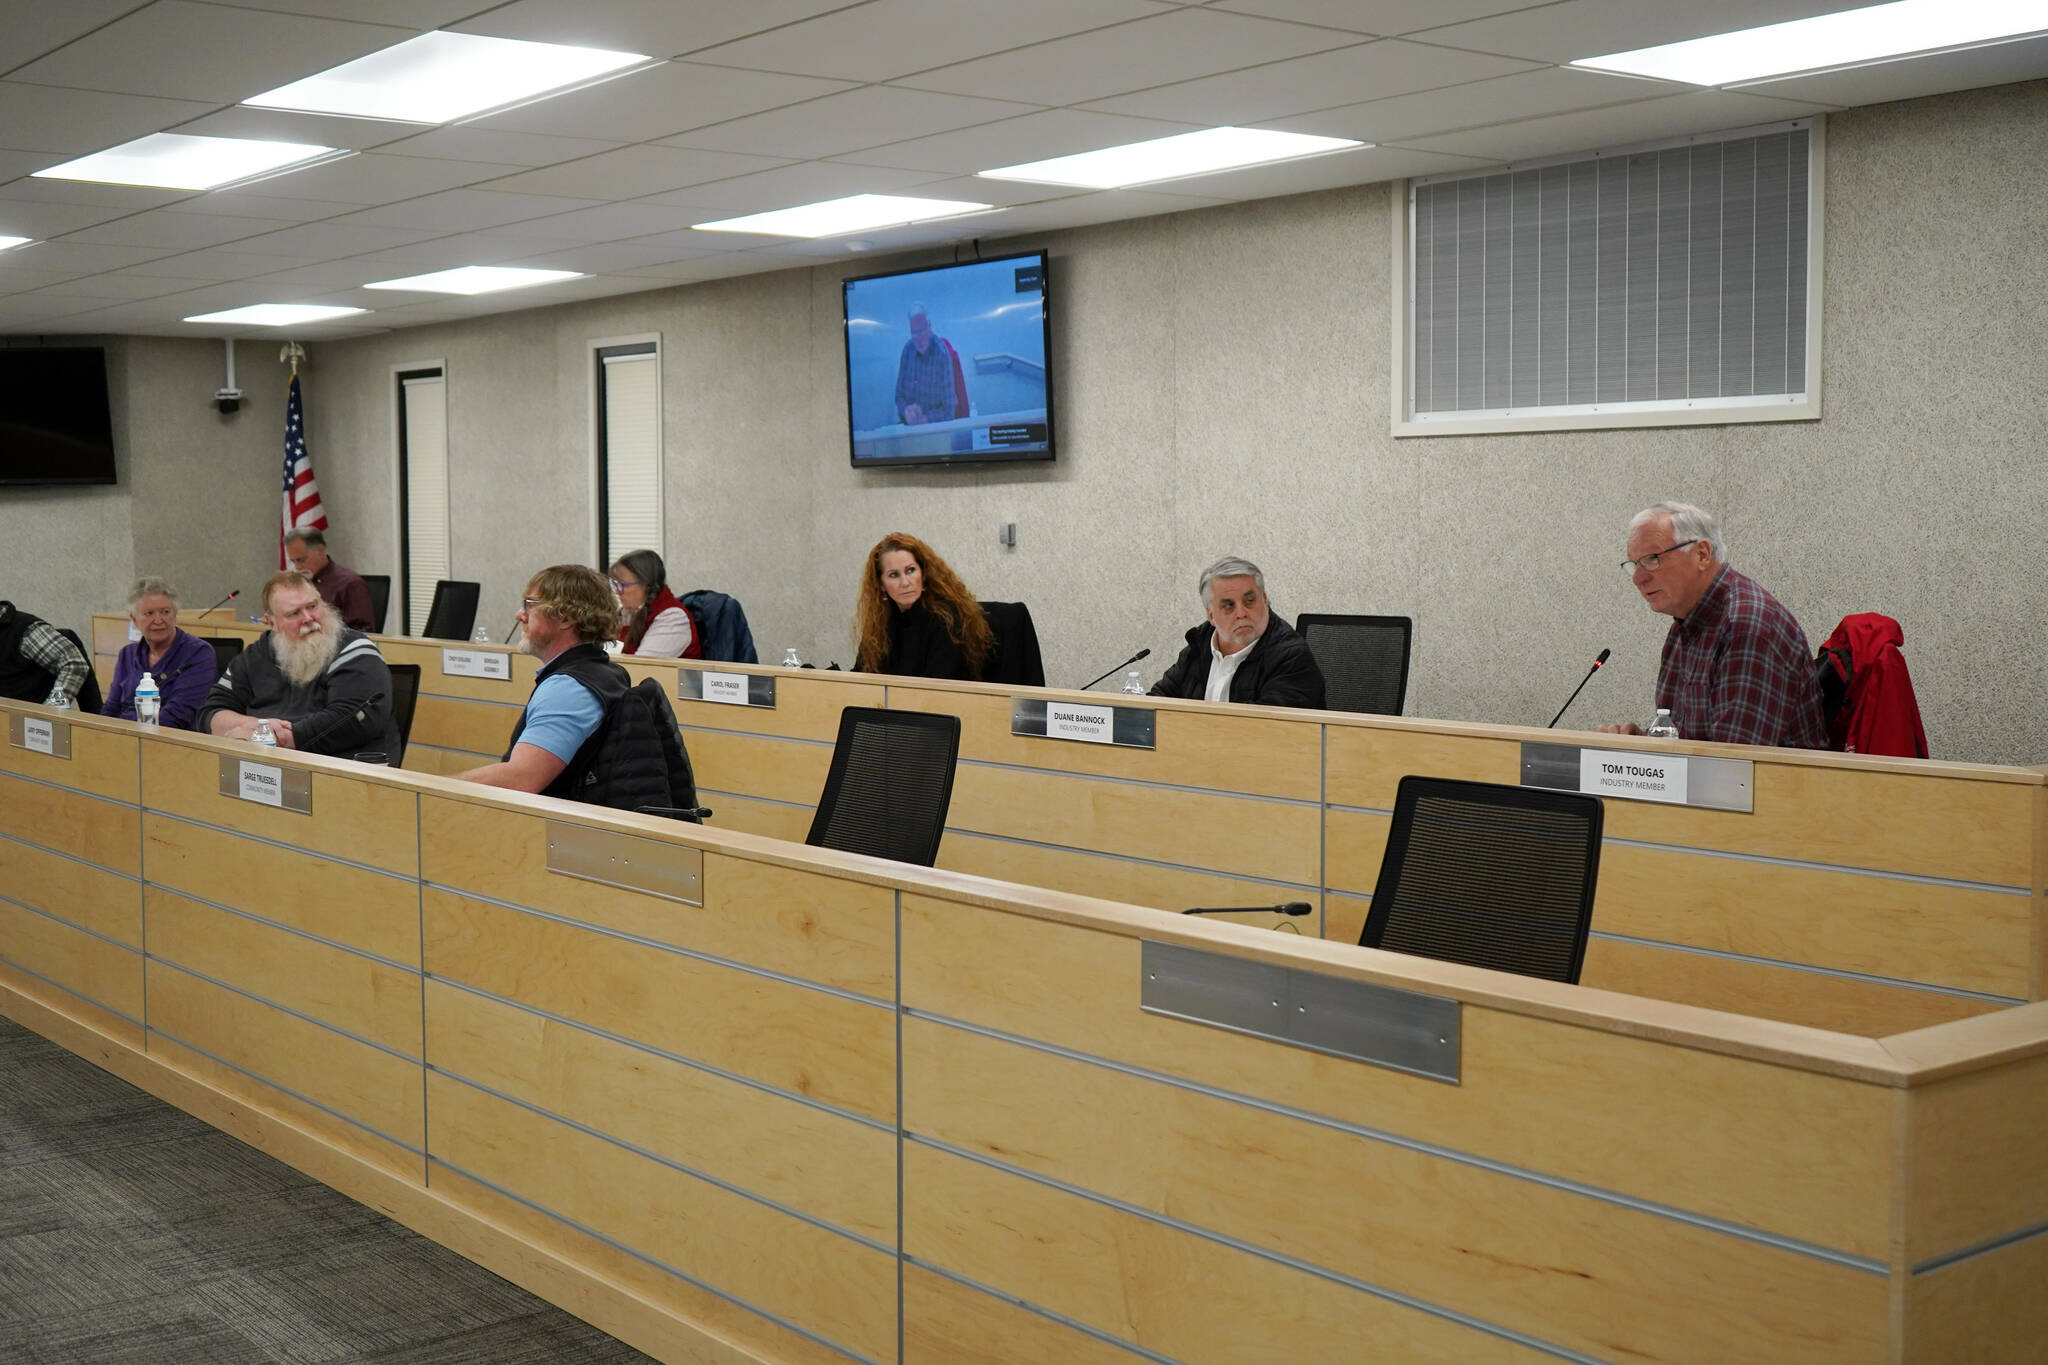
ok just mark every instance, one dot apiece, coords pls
pixel 36 663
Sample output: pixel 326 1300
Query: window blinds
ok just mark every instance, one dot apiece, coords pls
pixel 424 404
pixel 632 452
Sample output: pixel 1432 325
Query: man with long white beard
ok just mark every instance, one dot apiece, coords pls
pixel 323 687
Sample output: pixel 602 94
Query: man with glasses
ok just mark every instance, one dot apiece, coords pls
pixel 929 385
pixel 1737 668
pixel 323 687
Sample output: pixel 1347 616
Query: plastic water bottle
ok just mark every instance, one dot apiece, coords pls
pixel 263 735
pixel 148 701
pixel 1663 727
pixel 479 636
pixel 59 702
pixel 1133 684
pixel 790 660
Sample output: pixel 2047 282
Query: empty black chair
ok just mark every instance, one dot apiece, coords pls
pixel 226 649
pixel 89 697
pixel 379 585
pixel 1016 661
pixel 405 699
pixel 890 786
pixel 1364 660
pixel 453 614
pixel 1488 875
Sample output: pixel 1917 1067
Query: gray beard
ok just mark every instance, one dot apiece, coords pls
pixel 304 660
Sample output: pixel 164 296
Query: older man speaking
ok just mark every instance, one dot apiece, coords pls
pixel 1242 652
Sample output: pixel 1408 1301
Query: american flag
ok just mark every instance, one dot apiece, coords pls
pixel 301 492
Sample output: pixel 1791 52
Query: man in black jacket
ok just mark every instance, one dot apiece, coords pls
pixel 1242 652
pixel 323 688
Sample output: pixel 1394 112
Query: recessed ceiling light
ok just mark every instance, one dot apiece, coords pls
pixel 437 77
pixel 182 161
pixel 476 279
pixel 7 242
pixel 277 314
pixel 1172 158
pixel 1856 37
pixel 851 214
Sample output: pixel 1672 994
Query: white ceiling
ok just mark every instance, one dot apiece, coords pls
pixel 764 104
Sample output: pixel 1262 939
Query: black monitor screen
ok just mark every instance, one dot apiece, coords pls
pixel 54 424
pixel 950 365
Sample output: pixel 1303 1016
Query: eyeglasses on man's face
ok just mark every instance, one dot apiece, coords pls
pixel 1648 563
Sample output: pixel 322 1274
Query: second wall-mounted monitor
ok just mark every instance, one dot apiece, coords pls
pixel 950 365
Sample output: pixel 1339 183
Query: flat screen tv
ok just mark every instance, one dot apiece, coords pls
pixel 54 425
pixel 950 365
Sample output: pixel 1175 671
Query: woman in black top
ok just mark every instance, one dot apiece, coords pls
pixel 914 617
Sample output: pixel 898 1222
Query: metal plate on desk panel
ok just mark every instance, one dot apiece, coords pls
pixel 627 861
pixel 294 789
pixel 759 687
pixel 39 734
pixel 1131 727
pixel 1711 783
pixel 1382 1025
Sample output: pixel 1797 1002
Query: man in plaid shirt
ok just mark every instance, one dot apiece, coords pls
pixel 1737 667
pixel 36 663
pixel 924 374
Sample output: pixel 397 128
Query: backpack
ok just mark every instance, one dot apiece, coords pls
pixel 1866 691
pixel 640 763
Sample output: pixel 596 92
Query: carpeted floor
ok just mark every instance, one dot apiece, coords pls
pixel 133 1234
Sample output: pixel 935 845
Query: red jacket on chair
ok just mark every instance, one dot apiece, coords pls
pixel 1867 690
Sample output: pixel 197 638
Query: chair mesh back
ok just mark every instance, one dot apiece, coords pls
pixel 1490 876
pixel 226 649
pixel 1364 660
pixel 453 614
pixel 379 585
pixel 405 697
pixel 890 786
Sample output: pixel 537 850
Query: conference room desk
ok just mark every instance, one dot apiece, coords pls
pixel 739 1100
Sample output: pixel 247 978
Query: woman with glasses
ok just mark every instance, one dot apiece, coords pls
pixel 651 619
pixel 181 664
pixel 913 616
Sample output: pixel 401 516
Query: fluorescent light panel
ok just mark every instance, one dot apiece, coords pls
pixel 1856 37
pixel 1172 158
pixel 7 242
pixel 437 77
pixel 277 314
pixel 854 213
pixel 476 279
pixel 182 161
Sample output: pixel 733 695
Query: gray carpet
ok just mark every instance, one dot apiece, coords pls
pixel 133 1234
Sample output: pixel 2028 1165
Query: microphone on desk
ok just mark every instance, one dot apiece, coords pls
pixel 1141 654
pixel 1290 908
pixel 513 633
pixel 1598 664
pixel 218 605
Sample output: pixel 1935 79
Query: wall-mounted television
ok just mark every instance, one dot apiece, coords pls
pixel 54 423
pixel 950 365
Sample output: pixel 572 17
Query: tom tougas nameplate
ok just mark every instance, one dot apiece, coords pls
pixel 1642 775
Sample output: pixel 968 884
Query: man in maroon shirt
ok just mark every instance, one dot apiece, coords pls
pixel 1737 667
pixel 342 588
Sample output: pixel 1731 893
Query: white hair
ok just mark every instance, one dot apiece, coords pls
pixel 1687 523
pixel 1230 566
pixel 918 310
pixel 151 587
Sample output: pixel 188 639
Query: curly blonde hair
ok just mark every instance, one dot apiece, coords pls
pixel 945 596
pixel 579 597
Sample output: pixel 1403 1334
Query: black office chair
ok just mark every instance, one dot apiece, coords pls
pixel 890 786
pixel 89 699
pixel 405 699
pixel 1016 661
pixel 226 649
pixel 1488 875
pixel 453 614
pixel 379 585
pixel 1364 660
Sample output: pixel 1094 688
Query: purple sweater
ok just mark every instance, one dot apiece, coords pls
pixel 184 676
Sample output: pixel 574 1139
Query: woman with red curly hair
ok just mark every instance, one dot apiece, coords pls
pixel 914 617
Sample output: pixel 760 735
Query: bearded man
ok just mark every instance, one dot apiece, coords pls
pixel 323 686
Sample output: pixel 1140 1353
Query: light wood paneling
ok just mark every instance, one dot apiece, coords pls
pixel 1367 762
pixel 799 923
pixel 22 996
pixel 1625 1284
pixel 1344 918
pixel 350 905
pixel 90 897
pixel 1988 1310
pixel 360 820
pixel 947 1323
pixel 344 990
pixel 794 1270
pixel 803 1158
pixel 1978 1172
pixel 1165 1290
pixel 1193 748
pixel 97 831
pixel 102 972
pixel 1814 999
pixel 434 683
pixel 1767 1146
pixel 448 723
pixel 109 633
pixel 791 823
pixel 1229 834
pixel 374 1088
pixel 757 765
pixel 1357 845
pixel 102 762
pixel 424 758
pixel 807 705
pixel 796 1039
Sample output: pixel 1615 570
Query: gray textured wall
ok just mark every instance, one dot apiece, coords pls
pixel 1221 378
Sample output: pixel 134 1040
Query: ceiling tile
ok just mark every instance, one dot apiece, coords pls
pixel 597 258
pixel 463 210
pixel 1345 76
pixel 467 142
pixel 1003 193
pixel 805 183
pixel 610 222
pixel 1359 166
pixel 634 172
pixel 379 178
pixel 1083 210
pixel 1997 64
pixel 242 204
pixel 289 125
pixel 1176 46
pixel 1527 94
pixel 1573 29
pixel 44 118
pixel 181 50
pixel 1385 18
pixel 34 30
pixel 845 123
pixel 175 231
pixel 890 38
pixel 115 286
pixel 26 218
pixel 223 263
pixel 665 99
pixel 321 241
pixel 78 258
pixel 418 14
pixel 13 281
pixel 13 163
pixel 1033 137
pixel 1619 126
pixel 662 28
pixel 321 276
pixel 126 198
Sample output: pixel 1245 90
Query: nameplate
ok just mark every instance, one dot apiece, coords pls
pixel 726 689
pixel 1642 775
pixel 474 663
pixel 39 735
pixel 267 784
pixel 1129 727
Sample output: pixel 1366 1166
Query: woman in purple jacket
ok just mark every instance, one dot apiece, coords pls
pixel 181 664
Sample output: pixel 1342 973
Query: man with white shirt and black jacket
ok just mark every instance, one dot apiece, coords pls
pixel 1243 652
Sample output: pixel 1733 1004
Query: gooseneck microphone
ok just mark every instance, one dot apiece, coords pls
pixel 218 605
pixel 1598 664
pixel 1290 908
pixel 1141 654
